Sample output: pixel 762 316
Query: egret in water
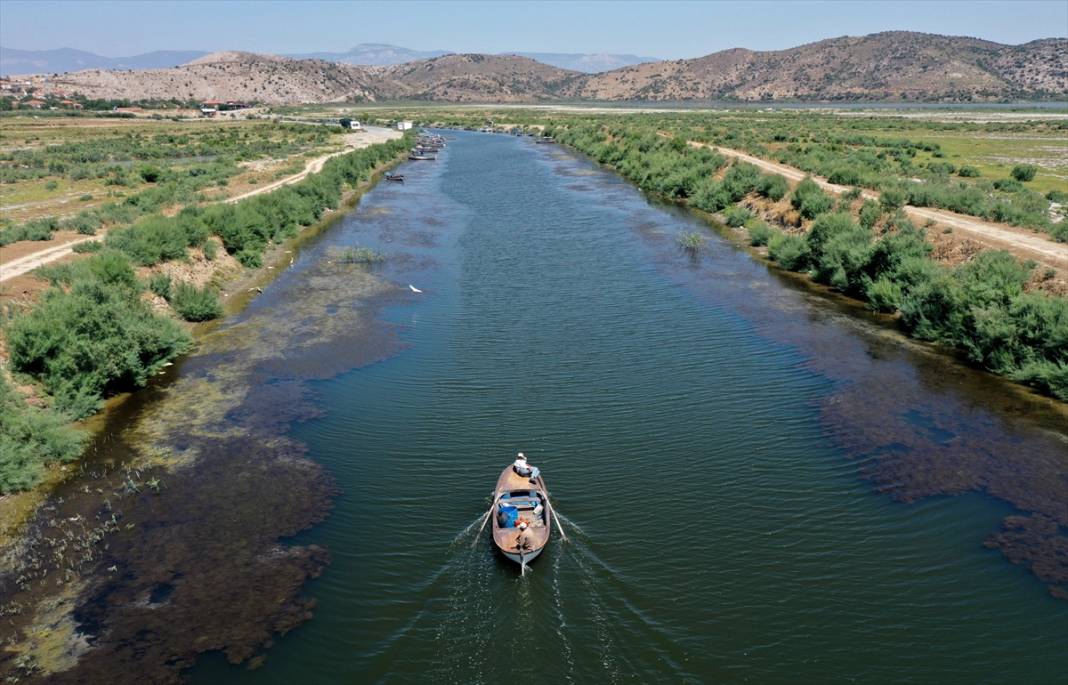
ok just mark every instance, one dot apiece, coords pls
pixel 414 289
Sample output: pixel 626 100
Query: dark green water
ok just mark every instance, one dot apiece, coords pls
pixel 704 426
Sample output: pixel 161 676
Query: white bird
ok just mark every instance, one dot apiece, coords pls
pixel 414 289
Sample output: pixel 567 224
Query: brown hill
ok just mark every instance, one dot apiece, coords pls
pixel 883 66
pixel 230 76
pixel 474 78
pixel 894 65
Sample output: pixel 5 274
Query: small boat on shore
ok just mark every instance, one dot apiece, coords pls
pixel 521 516
pixel 421 157
pixel 396 178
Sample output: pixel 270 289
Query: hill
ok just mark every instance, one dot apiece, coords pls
pixel 894 65
pixel 229 75
pixel 473 78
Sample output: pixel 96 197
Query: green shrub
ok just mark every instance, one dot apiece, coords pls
pixel 839 251
pixel 773 186
pixel 88 246
pixel 1024 172
pixel 968 171
pixel 870 211
pixel 883 295
pixel 737 216
pixel 1058 196
pixel 160 284
pixel 1008 185
pixel 892 199
pixel 150 174
pixel 790 251
pixel 210 248
pixel 31 438
pixel 760 233
pixel 193 304
pixel 92 339
pixel 810 199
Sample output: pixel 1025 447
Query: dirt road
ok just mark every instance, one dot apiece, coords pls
pixel 353 141
pixel 1019 241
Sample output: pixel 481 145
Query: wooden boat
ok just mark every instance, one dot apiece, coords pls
pixel 415 157
pixel 531 503
pixel 396 178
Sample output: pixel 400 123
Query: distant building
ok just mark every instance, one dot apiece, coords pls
pixel 71 104
pixel 222 105
pixel 33 103
pixel 404 125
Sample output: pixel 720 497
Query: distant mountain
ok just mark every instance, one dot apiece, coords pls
pixel 891 66
pixel 373 54
pixel 586 63
pixel 14 61
pixel 382 54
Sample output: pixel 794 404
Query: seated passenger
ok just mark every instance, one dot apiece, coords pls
pixel 520 465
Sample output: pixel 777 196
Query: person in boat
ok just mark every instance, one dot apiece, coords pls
pixel 524 469
pixel 522 541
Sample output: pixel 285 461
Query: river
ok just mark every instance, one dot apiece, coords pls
pixel 755 476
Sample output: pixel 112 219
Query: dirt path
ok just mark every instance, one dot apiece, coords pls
pixel 353 141
pixel 998 236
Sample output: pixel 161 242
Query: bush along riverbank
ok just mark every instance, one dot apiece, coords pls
pixel 95 332
pixel 869 251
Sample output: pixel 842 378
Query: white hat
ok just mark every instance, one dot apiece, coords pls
pixel 520 456
pixel 523 525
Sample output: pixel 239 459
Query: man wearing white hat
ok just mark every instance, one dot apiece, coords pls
pixel 524 469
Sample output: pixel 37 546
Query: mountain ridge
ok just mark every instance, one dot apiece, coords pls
pixel 887 66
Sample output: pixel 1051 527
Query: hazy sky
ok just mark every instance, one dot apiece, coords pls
pixel 657 29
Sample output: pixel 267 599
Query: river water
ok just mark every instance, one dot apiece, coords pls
pixel 751 474
pixel 760 483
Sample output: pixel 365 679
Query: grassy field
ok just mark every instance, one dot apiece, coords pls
pixel 83 173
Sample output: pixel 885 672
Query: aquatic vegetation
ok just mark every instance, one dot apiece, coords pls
pixel 360 255
pixel 691 241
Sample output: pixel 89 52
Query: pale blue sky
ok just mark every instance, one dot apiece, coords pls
pixel 663 29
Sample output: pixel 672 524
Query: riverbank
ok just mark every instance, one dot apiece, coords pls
pixel 236 288
pixel 191 440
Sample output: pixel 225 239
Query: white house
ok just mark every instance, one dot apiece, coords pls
pixel 404 125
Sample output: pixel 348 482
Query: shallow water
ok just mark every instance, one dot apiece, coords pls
pixel 732 454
